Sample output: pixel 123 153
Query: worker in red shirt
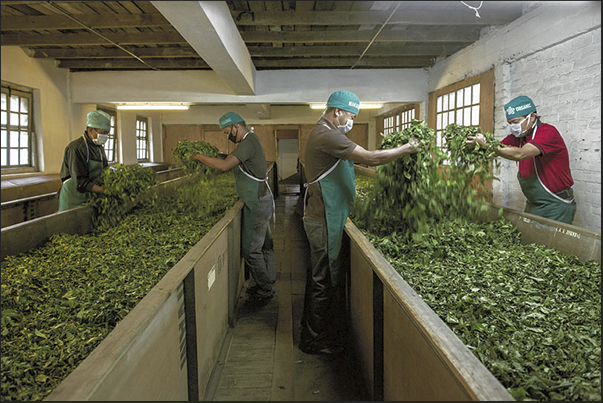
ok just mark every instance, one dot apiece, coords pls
pixel 544 170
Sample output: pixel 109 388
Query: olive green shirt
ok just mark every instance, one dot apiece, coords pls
pixel 253 159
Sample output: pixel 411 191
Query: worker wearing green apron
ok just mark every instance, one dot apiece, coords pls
pixel 84 161
pixel 328 198
pixel 249 162
pixel 544 173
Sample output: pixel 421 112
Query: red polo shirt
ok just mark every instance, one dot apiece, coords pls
pixel 553 162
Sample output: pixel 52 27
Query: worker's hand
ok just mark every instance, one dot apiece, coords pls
pixel 479 139
pixel 415 144
pixel 193 157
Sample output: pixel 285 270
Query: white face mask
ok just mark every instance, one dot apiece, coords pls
pixel 347 127
pixel 101 139
pixel 516 128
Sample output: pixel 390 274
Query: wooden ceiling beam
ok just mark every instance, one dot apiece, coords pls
pixel 379 49
pixel 147 38
pixel 37 22
pixel 401 17
pixel 345 62
pixel 132 63
pixel 444 34
pixel 111 53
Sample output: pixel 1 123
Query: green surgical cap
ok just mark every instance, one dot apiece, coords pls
pixel 520 106
pixel 99 120
pixel 229 119
pixel 346 100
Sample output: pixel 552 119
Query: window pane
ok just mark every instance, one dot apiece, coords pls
pixel 475 115
pixel 4 138
pixel 4 118
pixel 4 157
pixel 451 103
pixel 24 157
pixel 459 117
pixel 459 95
pixel 467 97
pixel 24 139
pixel 14 156
pixel 467 116
pixel 24 105
pixel 4 103
pixel 24 120
pixel 445 101
pixel 14 139
pixel 439 104
pixel 14 103
pixel 476 91
pixel 14 119
pixel 450 117
pixel 439 121
pixel 444 120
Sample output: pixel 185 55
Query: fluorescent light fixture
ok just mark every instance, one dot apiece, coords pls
pixel 363 105
pixel 153 106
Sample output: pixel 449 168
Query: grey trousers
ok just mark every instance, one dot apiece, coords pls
pixel 260 261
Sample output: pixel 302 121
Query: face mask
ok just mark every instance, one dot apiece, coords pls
pixel 516 128
pixel 347 127
pixel 232 137
pixel 101 139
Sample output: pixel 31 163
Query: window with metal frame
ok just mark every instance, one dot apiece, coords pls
pixel 466 103
pixel 142 139
pixel 399 119
pixel 111 144
pixel 17 143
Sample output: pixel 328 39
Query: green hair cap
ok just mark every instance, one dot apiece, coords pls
pixel 346 100
pixel 229 119
pixel 520 106
pixel 99 120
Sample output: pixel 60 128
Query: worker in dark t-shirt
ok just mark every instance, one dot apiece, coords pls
pixel 252 187
pixel 84 161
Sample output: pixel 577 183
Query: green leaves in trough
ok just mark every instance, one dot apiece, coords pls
pixel 122 186
pixel 187 148
pixel 531 314
pixel 61 300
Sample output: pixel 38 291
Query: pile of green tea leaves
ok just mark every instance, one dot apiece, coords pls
pixel 414 192
pixel 121 185
pixel 187 148
pixel 61 300
pixel 531 314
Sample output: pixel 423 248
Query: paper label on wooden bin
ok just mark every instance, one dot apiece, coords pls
pixel 211 277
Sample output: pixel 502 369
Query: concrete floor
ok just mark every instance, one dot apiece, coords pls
pixel 260 359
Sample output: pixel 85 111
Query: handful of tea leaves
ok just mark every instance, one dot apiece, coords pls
pixel 187 148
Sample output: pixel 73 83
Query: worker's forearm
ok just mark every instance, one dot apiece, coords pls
pixel 380 157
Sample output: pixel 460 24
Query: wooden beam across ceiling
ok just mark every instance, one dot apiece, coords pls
pixel 37 22
pixel 148 38
pixel 163 64
pixel 444 34
pixel 402 17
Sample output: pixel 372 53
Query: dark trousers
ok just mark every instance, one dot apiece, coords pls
pixel 323 320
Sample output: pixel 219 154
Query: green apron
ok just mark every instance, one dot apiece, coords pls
pixel 338 186
pixel 247 189
pixel 544 203
pixel 69 196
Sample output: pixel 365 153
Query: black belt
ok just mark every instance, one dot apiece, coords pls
pixel 566 194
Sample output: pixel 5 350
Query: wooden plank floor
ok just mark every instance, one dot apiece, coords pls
pixel 261 359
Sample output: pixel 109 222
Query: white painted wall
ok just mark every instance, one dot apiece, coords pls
pixel 57 121
pixel 553 55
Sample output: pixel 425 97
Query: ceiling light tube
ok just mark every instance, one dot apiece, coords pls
pixel 163 107
pixel 363 105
